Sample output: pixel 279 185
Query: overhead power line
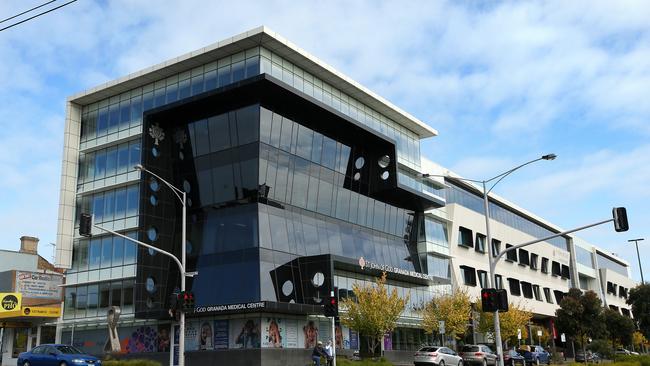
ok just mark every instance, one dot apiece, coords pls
pixel 37 15
pixel 27 11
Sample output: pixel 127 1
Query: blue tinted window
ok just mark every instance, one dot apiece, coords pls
pixel 134 155
pixel 113 118
pixel 102 122
pixel 223 76
pixel 238 71
pixel 100 165
pixel 197 85
pixel 123 158
pixel 118 251
pixel 125 114
pixel 252 66
pixel 107 251
pixel 136 111
pixel 94 254
pixel 184 88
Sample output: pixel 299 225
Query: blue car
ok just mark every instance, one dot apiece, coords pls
pixel 536 355
pixel 56 355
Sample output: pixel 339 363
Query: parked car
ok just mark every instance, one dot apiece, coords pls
pixel 56 355
pixel 478 354
pixel 536 355
pixel 591 357
pixel 512 358
pixel 622 351
pixel 439 356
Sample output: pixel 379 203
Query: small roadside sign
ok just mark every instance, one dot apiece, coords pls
pixel 441 327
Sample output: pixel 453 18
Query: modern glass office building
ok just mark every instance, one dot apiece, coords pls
pixel 299 182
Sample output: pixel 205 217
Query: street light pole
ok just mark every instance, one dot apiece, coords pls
pixel 182 197
pixel 636 242
pixel 492 263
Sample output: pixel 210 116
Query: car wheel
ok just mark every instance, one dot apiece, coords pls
pixel 63 363
pixel 484 362
pixel 537 361
pixel 460 363
pixel 26 363
pixel 442 363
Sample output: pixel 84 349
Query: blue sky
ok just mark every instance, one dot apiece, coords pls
pixel 503 82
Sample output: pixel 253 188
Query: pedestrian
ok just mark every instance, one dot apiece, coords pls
pixel 328 353
pixel 317 353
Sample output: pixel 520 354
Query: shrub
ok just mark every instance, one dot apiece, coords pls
pixel 367 362
pixel 134 362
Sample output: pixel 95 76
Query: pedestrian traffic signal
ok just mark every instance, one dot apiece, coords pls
pixel 331 307
pixel 620 219
pixel 85 224
pixel 186 299
pixel 494 300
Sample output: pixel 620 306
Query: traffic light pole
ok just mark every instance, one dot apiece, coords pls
pixel 493 263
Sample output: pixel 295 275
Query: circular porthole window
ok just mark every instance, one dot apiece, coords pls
pixel 359 163
pixel 155 152
pixel 356 176
pixel 384 175
pixel 153 184
pixel 318 279
pixel 151 252
pixel 149 302
pixel 153 200
pixel 287 288
pixel 150 285
pixel 186 186
pixel 189 202
pixel 152 234
pixel 384 161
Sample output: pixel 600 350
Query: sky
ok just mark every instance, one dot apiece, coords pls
pixel 502 82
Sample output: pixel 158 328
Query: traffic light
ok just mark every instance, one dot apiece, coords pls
pixel 332 307
pixel 85 224
pixel 620 219
pixel 186 300
pixel 493 300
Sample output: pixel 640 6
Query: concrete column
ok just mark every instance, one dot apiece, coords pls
pixel 573 266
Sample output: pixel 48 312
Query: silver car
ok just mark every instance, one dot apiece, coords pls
pixel 439 356
pixel 478 354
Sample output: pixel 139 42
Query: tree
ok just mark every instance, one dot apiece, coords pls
pixel 454 309
pixel 373 312
pixel 511 321
pixel 639 340
pixel 619 327
pixel 639 298
pixel 580 316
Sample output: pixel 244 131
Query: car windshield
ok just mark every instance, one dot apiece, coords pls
pixel 470 349
pixel 69 350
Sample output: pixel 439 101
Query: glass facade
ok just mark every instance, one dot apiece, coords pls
pixel 583 256
pixel 94 300
pixel 458 195
pixel 605 262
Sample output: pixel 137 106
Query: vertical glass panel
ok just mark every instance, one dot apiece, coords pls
pixel 205 186
pixel 123 159
pixel 102 122
pixel 197 85
pixel 109 205
pixel 100 164
pixel 210 80
pixel 116 293
pixel 111 161
pixel 132 201
pixel 252 66
pixel 113 118
pixel 201 138
pixel 265 125
pixel 184 88
pixel 172 93
pixel 305 136
pixel 83 255
pixel 159 96
pixel 127 297
pixel 285 135
pixel 312 195
pixel 104 295
pixel 147 101
pixel 98 207
pixel 276 130
pixel 120 203
pixel 82 301
pixel 324 197
pixel 238 71
pixel 107 251
pixel 118 251
pixel 317 147
pixel 94 254
pixel 134 155
pixel 329 153
pixel 223 76
pixel 247 122
pixel 300 183
pixel 222 177
pixel 219 132
pixel 125 114
pixel 129 252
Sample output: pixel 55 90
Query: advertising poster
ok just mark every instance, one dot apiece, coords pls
pixel 221 334
pixel 163 342
pixel 310 334
pixel 291 333
pixel 342 337
pixel 354 339
pixel 273 332
pixel 205 336
pixel 39 285
pixel 192 336
pixel 245 333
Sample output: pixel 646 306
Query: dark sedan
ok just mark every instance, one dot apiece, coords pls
pixel 512 358
pixel 56 355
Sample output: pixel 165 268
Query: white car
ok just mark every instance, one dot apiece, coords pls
pixel 439 356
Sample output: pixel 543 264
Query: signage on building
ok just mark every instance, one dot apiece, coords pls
pixel 41 311
pixel 518 333
pixel 247 306
pixel 35 285
pixel 441 326
pixel 364 264
pixel 10 301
